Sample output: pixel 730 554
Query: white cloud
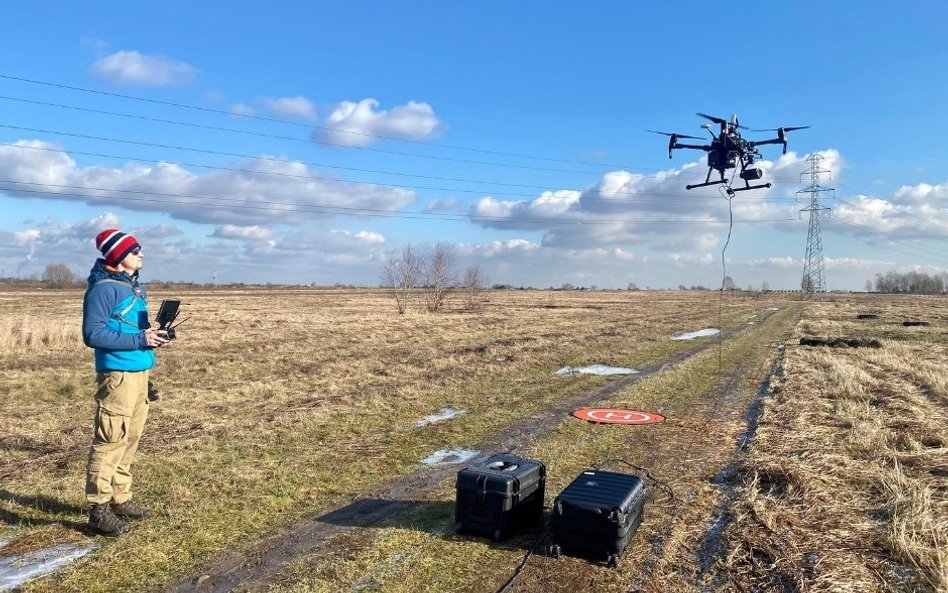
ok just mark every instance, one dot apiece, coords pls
pixel 445 205
pixel 854 263
pixel 595 254
pixel 923 192
pixel 261 191
pixel 365 237
pixel 625 208
pixel 498 248
pixel 50 241
pixel 623 255
pixel 370 237
pixel 291 107
pixel 360 124
pixel 93 43
pixel 775 262
pixel 242 109
pixel 308 253
pixel 911 213
pixel 26 237
pixel 246 233
pixel 134 68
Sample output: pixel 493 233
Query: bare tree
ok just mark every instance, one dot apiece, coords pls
pixel 729 283
pixel 439 276
pixel 401 275
pixel 474 282
pixel 58 275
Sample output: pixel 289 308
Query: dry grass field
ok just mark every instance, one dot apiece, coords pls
pixel 281 406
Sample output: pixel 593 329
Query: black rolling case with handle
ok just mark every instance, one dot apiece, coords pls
pixel 499 495
pixel 597 515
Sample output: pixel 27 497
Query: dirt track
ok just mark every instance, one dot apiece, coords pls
pixel 268 560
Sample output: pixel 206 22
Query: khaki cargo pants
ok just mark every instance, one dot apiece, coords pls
pixel 121 410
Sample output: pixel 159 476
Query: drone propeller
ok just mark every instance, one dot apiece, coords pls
pixel 675 135
pixel 785 129
pixel 721 121
pixel 717 120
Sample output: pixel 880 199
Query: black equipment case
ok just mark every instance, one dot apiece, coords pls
pixel 597 515
pixel 499 495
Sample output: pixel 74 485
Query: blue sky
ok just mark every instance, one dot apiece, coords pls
pixel 373 125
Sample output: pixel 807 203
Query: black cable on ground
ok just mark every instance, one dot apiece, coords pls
pixel 544 533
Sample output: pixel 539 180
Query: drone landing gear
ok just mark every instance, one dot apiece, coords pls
pixel 706 184
pixel 749 186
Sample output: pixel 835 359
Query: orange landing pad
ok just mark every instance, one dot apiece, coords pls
pixel 614 416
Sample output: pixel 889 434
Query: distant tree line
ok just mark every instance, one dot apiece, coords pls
pixel 429 275
pixel 908 283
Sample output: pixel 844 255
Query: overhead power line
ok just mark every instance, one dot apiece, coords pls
pixel 940 237
pixel 286 160
pixel 918 251
pixel 675 197
pixel 313 126
pixel 239 203
pixel 299 124
pixel 310 126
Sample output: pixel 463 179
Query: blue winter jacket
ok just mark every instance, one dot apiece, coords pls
pixel 114 318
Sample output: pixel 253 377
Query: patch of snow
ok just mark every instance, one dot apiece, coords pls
pixel 774 309
pixel 445 414
pixel 450 456
pixel 701 333
pixel 594 369
pixel 16 570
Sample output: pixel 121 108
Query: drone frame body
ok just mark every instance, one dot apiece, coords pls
pixel 729 150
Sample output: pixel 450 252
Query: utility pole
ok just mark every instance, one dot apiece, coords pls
pixel 813 278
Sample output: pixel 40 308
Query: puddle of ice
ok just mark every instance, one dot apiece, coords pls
pixel 594 369
pixel 445 414
pixel 16 570
pixel 701 333
pixel 450 456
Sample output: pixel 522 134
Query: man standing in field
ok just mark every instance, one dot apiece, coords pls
pixel 115 324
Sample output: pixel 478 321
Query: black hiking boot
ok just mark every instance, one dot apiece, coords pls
pixel 130 510
pixel 104 522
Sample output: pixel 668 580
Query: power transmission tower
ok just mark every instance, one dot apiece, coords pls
pixel 813 278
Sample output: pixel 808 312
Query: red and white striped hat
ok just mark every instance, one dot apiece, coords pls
pixel 115 245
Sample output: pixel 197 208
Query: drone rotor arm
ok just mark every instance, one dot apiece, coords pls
pixel 703 147
pixel 673 139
